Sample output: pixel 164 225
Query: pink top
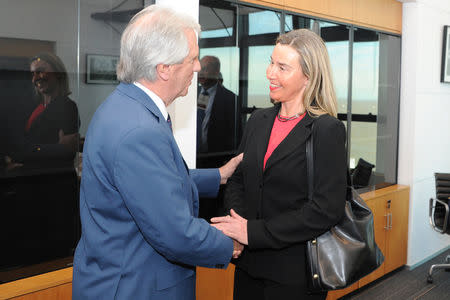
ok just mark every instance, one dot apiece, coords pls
pixel 280 130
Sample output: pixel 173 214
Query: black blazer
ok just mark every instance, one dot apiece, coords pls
pixel 275 200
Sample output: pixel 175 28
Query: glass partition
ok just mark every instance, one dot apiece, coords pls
pixel 57 64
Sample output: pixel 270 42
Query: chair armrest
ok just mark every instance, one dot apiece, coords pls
pixel 431 215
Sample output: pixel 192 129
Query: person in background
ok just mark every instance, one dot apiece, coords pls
pixel 50 137
pixel 141 238
pixel 216 110
pixel 267 196
pixel 45 179
pixel 55 119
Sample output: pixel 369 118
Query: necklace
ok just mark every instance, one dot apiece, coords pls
pixel 286 119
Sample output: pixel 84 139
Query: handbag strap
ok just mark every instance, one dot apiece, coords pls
pixel 310 166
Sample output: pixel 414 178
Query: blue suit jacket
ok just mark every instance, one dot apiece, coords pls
pixel 141 237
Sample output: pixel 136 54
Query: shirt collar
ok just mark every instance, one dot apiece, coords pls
pixel 211 90
pixel 155 98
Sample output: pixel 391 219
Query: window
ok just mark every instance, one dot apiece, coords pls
pixel 365 66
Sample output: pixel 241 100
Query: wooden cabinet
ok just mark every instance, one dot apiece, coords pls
pixel 391 211
pixel 381 220
pixel 390 207
pixel 397 234
pixel 215 283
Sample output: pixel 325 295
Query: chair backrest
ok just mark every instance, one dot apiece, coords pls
pixel 442 194
pixel 442 186
pixel 361 174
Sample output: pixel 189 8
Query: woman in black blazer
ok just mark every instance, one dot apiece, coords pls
pixel 268 194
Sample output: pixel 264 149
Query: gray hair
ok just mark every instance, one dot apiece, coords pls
pixel 155 35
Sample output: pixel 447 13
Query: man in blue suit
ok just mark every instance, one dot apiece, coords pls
pixel 141 238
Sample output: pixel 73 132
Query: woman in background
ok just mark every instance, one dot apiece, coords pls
pixel 55 120
pixel 268 194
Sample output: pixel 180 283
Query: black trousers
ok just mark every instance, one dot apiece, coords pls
pixel 247 287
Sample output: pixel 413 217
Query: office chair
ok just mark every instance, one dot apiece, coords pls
pixel 439 215
pixel 362 173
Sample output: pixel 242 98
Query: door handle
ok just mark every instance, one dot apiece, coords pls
pixel 387 221
pixel 390 220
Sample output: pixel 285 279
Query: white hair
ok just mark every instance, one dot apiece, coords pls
pixel 155 35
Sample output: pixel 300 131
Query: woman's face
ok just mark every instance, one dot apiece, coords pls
pixel 287 81
pixel 43 77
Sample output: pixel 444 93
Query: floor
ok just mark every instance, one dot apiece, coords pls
pixel 405 284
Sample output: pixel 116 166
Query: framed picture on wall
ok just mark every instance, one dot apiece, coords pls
pixel 101 69
pixel 445 67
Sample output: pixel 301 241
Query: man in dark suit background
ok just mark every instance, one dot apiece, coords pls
pixel 216 110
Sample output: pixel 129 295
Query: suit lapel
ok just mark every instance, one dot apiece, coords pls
pixel 263 135
pixel 298 135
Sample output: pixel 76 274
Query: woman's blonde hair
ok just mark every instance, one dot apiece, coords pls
pixel 319 97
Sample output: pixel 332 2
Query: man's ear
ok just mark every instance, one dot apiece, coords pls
pixel 163 71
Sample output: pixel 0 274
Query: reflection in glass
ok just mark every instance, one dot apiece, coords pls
pixel 216 109
pixel 364 95
pixel 261 22
pixel 218 104
pixel 375 102
pixel 258 85
pixel 336 39
pixel 38 179
pixel 292 22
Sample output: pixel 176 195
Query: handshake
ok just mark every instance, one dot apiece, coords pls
pixel 235 227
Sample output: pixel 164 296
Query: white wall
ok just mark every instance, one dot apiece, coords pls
pixel 424 145
pixel 184 110
pixel 97 37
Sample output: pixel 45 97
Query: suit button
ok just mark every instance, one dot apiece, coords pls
pixel 220 266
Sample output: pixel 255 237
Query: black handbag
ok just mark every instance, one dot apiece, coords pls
pixel 347 252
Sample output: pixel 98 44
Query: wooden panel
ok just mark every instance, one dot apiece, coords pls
pixel 342 9
pixel 215 283
pixel 397 236
pixel 269 3
pixel 385 14
pixel 384 191
pixel 36 283
pixel 378 207
pixel 61 292
pixel 339 293
pixel 367 11
pixel 307 6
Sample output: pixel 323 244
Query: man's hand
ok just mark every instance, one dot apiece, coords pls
pixel 233 226
pixel 238 248
pixel 228 169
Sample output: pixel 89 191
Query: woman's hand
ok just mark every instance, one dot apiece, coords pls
pixel 233 226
